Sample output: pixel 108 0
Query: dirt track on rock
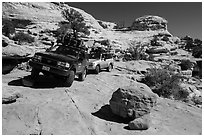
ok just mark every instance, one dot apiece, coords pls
pixel 84 108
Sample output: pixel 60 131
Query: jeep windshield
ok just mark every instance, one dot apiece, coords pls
pixel 94 56
pixel 67 51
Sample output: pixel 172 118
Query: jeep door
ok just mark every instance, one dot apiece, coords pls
pixel 109 59
pixel 103 61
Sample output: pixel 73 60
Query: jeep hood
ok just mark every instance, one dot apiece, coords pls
pixel 93 60
pixel 56 56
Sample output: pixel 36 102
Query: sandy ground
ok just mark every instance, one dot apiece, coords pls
pixel 83 108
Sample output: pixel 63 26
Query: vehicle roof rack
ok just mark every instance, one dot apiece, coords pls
pixel 76 47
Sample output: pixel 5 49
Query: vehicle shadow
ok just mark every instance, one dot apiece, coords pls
pixel 41 82
pixel 105 113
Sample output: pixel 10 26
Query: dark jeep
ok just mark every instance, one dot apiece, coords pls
pixel 63 62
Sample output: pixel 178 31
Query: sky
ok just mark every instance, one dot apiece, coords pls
pixel 184 18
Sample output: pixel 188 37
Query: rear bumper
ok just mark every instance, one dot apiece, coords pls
pixel 52 70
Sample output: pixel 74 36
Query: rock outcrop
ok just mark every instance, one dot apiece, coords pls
pixel 149 22
pixel 12 49
pixel 90 22
pixel 107 25
pixel 13 54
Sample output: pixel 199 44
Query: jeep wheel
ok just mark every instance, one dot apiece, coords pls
pixel 34 73
pixel 110 68
pixel 82 75
pixel 69 80
pixel 97 69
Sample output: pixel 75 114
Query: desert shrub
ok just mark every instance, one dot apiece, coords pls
pixel 197 49
pixel 186 64
pixel 180 94
pixel 194 46
pixel 7 27
pixel 189 43
pixel 154 41
pixel 164 82
pixel 197 52
pixel 133 53
pixel 23 37
pixel 165 38
pixel 197 100
pixel 21 23
pixel 64 27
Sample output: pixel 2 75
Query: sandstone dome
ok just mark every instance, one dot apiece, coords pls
pixel 149 22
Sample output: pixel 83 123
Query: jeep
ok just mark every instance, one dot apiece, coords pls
pixel 63 62
pixel 99 61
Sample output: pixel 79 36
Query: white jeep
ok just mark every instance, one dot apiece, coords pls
pixel 99 61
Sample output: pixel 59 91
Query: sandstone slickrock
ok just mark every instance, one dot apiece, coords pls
pixel 45 15
pixel 133 101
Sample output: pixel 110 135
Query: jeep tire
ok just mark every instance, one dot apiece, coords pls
pixel 97 69
pixel 110 68
pixel 34 73
pixel 82 75
pixel 69 80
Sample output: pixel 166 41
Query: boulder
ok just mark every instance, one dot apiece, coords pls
pixel 133 101
pixel 149 23
pixel 142 123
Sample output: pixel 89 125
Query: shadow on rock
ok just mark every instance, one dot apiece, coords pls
pixel 40 82
pixel 105 113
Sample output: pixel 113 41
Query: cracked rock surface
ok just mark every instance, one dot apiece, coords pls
pixel 84 108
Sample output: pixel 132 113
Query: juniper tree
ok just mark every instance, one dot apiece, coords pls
pixel 76 21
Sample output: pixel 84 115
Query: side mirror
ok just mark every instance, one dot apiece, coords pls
pixel 81 56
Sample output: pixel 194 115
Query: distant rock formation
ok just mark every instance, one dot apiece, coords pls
pixel 107 25
pixel 149 22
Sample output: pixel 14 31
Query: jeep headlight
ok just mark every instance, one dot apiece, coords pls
pixel 37 58
pixel 63 64
pixel 94 63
